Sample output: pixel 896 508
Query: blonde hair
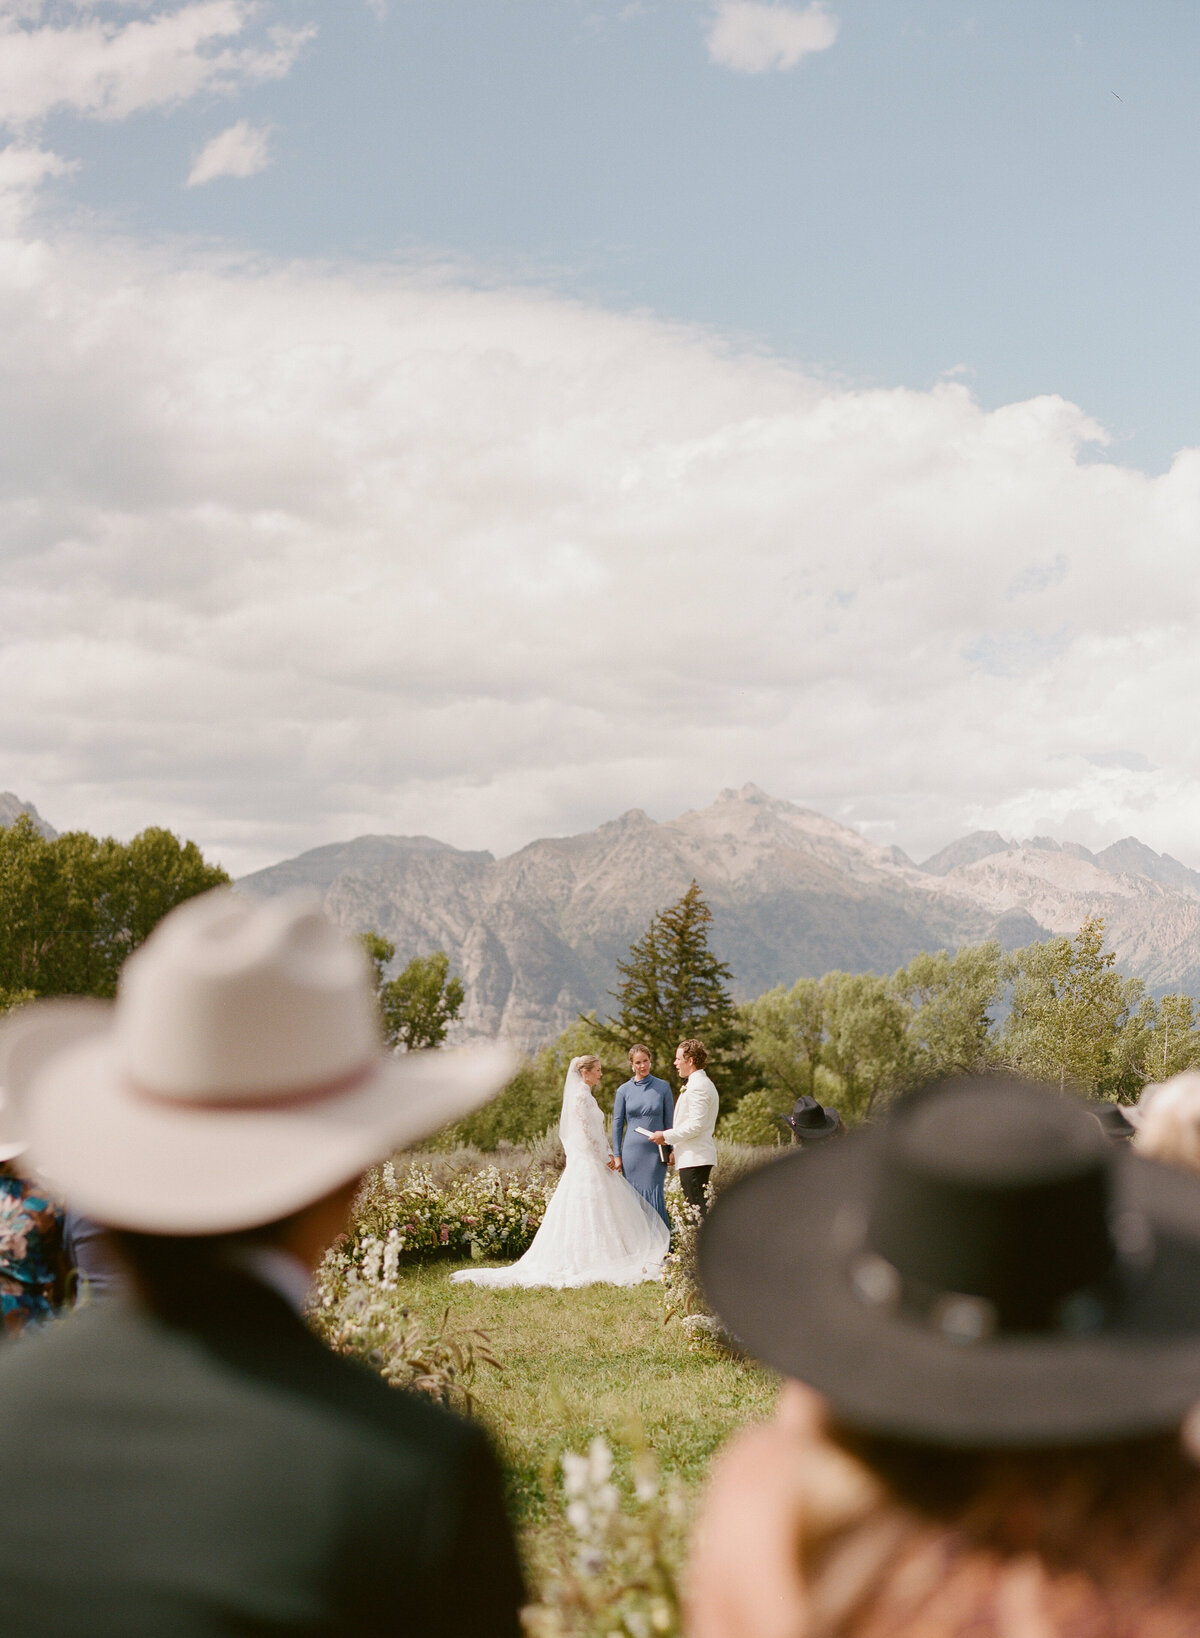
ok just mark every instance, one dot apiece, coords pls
pixel 1169 1121
pixel 635 1049
pixel 588 1061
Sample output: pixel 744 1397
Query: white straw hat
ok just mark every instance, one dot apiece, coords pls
pixel 12 1143
pixel 239 1075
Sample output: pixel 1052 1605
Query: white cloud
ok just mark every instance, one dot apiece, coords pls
pixel 242 150
pixel 109 66
pixel 751 37
pixel 294 553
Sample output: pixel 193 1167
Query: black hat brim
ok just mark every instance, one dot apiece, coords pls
pixel 774 1259
pixel 829 1125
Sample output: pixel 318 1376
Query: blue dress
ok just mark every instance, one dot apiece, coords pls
pixel 645 1103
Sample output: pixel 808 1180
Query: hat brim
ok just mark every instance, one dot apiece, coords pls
pixel 774 1261
pixel 160 1167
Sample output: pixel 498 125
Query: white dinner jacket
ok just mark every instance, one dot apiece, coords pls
pixel 695 1117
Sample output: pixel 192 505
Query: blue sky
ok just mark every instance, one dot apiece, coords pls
pixel 1004 190
pixel 480 417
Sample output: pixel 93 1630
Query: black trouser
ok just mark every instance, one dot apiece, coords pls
pixel 692 1180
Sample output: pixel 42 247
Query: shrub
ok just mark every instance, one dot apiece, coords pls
pixel 752 1122
pixel 473 1212
pixel 683 1295
pixel 615 1569
pixel 355 1312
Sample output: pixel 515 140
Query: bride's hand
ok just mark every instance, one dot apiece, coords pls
pixel 614 1163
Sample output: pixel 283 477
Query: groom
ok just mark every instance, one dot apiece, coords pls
pixel 693 1122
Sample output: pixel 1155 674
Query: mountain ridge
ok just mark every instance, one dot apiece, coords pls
pixel 536 934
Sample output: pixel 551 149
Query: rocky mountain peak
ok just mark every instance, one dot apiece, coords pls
pixel 966 851
pixel 11 809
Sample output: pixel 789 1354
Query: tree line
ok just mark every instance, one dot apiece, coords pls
pixel 73 908
pixel 1057 1011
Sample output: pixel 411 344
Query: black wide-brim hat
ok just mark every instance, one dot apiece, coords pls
pixel 983 1269
pixel 810 1120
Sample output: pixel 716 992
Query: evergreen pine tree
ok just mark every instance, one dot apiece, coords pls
pixel 672 987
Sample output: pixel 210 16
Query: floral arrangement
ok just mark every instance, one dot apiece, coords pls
pixel 354 1311
pixel 616 1559
pixel 475 1213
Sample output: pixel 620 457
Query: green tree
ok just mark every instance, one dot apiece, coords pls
pixel 786 1034
pixel 1160 1039
pixel 72 909
pixel 1070 1007
pixel 672 987
pixel 866 1041
pixel 754 1121
pixel 532 1100
pixel 949 998
pixel 422 1001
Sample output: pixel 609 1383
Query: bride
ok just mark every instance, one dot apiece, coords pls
pixel 597 1228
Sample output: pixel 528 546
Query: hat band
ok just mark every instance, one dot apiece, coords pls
pixel 965 1317
pixel 283 1098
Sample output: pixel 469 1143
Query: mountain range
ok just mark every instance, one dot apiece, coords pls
pixel 536 936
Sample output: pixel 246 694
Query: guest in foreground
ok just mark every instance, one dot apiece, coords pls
pixel 192 1461
pixel 31 1243
pixel 642 1101
pixel 692 1126
pixel 996 1312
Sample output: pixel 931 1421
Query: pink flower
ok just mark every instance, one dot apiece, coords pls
pixel 444 1234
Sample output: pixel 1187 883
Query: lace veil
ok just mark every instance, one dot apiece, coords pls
pixel 572 1122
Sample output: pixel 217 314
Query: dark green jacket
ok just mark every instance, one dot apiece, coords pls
pixel 224 1473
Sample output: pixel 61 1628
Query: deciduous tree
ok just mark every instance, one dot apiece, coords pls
pixel 73 908
pixel 950 1000
pixel 1069 1008
pixel 422 1001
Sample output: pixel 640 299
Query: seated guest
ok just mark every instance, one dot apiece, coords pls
pixel 811 1123
pixel 643 1100
pixel 1166 1121
pixel 209 1465
pixel 31 1251
pixel 93 1264
pixel 995 1313
pixel 1114 1120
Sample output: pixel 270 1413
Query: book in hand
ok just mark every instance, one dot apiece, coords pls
pixel 664 1149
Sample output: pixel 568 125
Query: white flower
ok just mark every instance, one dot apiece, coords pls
pixel 579 1517
pixel 575 1473
pixel 591 1560
pixel 599 1466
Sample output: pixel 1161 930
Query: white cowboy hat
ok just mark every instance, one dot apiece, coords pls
pixel 239 1075
pixel 11 1144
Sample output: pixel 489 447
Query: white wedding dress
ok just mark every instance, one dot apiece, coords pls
pixel 597 1230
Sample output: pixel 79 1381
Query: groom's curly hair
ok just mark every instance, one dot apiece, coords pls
pixel 696 1051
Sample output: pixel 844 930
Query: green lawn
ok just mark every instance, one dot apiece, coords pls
pixel 594 1361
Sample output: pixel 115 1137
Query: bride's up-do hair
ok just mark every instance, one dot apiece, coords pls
pixel 588 1061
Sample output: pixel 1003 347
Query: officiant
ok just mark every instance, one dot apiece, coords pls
pixel 644 1100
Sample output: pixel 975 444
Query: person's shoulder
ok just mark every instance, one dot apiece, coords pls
pixel 284 1369
pixel 660 1084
